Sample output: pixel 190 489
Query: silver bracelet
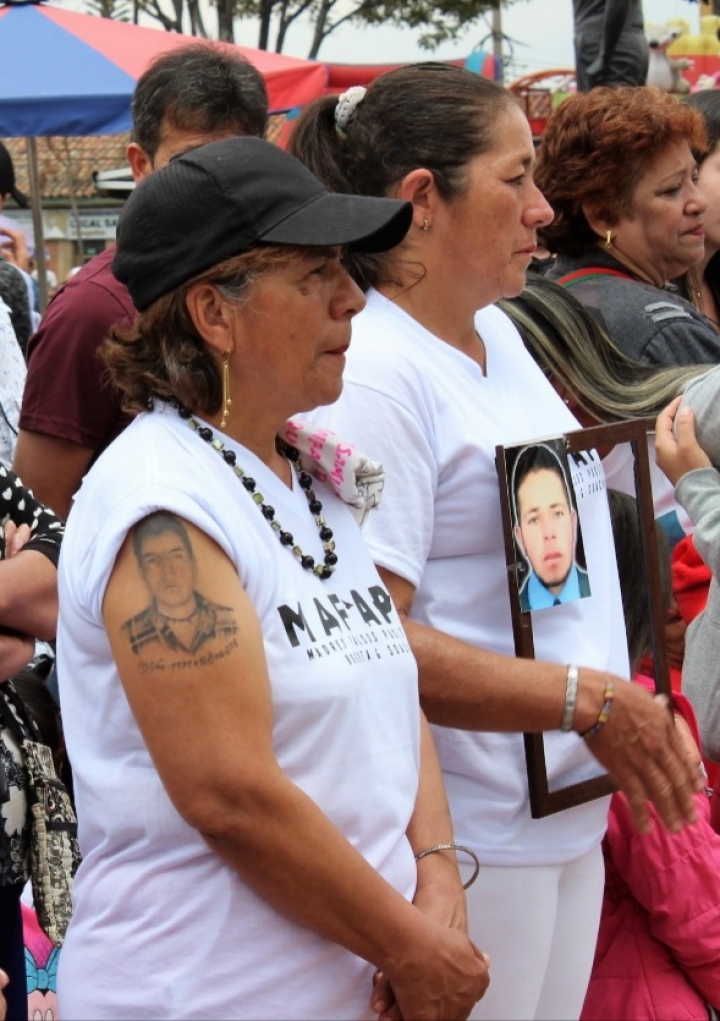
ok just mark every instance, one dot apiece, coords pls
pixel 570 699
pixel 454 847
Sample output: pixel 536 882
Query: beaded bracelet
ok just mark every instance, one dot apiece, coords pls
pixel 604 713
pixel 571 691
pixel 454 847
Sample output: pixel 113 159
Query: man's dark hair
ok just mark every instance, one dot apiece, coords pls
pixel 158 524
pixel 201 88
pixel 532 459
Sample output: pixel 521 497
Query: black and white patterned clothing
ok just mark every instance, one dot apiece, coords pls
pixel 18 504
pixel 12 384
pixel 14 816
pixel 14 292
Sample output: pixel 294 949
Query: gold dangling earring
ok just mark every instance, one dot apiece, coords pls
pixel 608 239
pixel 225 390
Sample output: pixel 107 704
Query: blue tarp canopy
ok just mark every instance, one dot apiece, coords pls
pixel 65 73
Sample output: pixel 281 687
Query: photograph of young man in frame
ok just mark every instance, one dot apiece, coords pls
pixel 547 529
pixel 544 801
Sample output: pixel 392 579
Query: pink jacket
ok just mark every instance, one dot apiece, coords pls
pixel 658 951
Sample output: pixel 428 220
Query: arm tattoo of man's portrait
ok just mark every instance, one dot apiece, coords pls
pixel 178 618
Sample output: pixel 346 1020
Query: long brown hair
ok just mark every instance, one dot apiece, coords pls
pixel 428 115
pixel 573 350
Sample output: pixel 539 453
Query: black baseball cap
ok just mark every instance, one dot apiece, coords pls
pixel 223 198
pixel 7 179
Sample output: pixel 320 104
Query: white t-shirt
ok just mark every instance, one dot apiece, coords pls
pixel 426 411
pixel 12 384
pixel 162 926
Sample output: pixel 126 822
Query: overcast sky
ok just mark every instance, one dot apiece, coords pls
pixel 541 31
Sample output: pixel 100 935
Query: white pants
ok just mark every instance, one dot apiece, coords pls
pixel 539 925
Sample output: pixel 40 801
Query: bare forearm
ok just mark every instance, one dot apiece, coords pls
pixel 28 594
pixel 469 688
pixel 473 689
pixel 296 860
pixel 439 892
pixel 431 823
pixel 15 653
pixel 53 468
pixel 290 853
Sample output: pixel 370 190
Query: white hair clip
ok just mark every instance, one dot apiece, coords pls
pixel 346 106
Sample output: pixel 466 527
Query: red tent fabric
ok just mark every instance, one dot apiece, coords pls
pixel 65 73
pixel 131 47
pixel 344 76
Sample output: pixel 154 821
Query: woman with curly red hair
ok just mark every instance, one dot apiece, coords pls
pixel 618 166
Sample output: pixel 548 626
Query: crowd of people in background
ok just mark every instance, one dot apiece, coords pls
pixel 263 587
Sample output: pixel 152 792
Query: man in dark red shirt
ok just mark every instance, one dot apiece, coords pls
pixel 196 94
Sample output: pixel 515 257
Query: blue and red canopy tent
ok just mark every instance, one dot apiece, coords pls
pixel 66 73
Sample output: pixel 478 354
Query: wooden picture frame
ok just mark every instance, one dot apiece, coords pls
pixel 544 801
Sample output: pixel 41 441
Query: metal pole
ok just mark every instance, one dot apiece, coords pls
pixel 497 34
pixel 36 204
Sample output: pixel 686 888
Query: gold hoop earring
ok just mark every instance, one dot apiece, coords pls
pixel 225 390
pixel 608 239
pixel 425 224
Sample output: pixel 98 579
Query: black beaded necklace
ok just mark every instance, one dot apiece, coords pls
pixel 322 571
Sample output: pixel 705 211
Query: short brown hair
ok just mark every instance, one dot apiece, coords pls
pixel 595 150
pixel 201 88
pixel 162 355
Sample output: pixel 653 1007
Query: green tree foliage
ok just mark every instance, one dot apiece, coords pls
pixel 120 10
pixel 437 21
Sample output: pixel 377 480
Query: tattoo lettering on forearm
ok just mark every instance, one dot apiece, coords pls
pixel 178 619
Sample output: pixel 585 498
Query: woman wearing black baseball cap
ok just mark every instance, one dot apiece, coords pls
pixel 240 704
